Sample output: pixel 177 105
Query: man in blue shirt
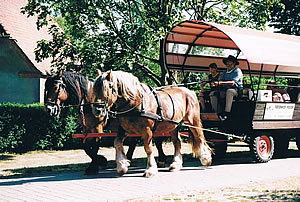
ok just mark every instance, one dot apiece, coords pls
pixel 231 83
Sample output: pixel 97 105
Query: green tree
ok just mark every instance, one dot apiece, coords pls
pixel 127 35
pixel 285 17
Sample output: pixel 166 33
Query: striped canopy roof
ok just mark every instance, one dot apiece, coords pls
pixel 193 45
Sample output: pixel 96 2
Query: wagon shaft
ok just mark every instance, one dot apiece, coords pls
pixel 89 135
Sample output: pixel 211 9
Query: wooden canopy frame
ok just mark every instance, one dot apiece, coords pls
pixel 261 52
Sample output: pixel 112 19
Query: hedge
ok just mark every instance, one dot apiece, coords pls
pixel 27 127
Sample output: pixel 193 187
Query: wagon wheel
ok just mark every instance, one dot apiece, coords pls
pixel 262 148
pixel 281 145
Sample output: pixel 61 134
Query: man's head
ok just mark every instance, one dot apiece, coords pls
pixel 213 68
pixel 230 62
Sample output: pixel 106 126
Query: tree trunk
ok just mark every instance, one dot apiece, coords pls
pixel 165 77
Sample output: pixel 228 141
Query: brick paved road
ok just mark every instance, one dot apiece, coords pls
pixel 107 186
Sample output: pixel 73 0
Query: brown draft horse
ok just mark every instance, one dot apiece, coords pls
pixel 177 104
pixel 68 88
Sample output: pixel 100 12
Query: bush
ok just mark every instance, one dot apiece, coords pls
pixel 27 127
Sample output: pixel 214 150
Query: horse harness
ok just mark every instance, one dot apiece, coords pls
pixel 52 106
pixel 133 112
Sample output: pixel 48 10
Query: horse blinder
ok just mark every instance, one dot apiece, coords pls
pixel 53 108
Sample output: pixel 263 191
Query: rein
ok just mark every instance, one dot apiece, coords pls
pixel 181 84
pixel 126 111
pixel 54 108
pixel 158 116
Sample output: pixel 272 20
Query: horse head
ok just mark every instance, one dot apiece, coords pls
pixel 55 93
pixel 105 93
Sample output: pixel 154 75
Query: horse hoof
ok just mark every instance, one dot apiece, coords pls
pixel 123 170
pixel 121 173
pixel 150 172
pixel 174 167
pixel 122 166
pixel 206 161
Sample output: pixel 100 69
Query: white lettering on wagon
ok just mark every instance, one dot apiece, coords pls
pixel 279 111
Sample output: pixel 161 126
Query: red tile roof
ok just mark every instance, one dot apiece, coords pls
pixel 24 31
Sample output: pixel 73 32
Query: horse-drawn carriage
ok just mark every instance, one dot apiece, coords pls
pixel 265 125
pixel 190 47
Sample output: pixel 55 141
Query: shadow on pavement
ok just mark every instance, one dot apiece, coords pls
pixel 76 171
pixel 6 157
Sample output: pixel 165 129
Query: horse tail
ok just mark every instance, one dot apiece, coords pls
pixel 200 147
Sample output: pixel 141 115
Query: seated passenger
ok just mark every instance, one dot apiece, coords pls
pixel 213 76
pixel 231 83
pixel 278 94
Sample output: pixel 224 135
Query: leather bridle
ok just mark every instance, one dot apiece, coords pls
pixel 52 107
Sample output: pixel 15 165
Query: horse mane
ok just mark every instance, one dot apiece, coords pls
pixel 125 84
pixel 72 80
pixel 76 86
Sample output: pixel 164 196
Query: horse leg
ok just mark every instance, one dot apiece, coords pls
pixel 151 169
pixel 91 148
pixel 161 155
pixel 132 144
pixel 177 160
pixel 200 146
pixel 122 162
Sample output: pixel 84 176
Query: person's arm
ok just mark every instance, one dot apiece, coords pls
pixel 203 84
pixel 223 83
pixel 236 77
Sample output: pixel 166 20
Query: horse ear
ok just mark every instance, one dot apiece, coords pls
pixel 45 75
pixel 98 72
pixel 109 76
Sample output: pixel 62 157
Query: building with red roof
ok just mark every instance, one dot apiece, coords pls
pixel 20 74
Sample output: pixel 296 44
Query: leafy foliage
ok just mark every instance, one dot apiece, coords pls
pixel 27 127
pixel 285 17
pixel 128 35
